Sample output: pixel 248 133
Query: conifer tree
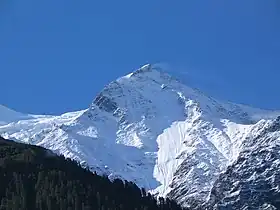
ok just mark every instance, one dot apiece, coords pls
pixel 31 179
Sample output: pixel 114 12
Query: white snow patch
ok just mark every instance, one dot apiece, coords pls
pixel 143 130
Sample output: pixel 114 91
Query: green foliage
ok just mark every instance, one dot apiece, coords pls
pixel 33 178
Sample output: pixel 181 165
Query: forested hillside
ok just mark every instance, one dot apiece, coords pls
pixel 35 178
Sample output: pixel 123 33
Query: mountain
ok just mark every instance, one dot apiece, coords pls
pixel 152 129
pixel 35 178
pixel 8 115
pixel 254 177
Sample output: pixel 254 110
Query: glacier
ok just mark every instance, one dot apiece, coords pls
pixel 150 128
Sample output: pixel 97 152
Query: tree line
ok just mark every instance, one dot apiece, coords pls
pixel 32 177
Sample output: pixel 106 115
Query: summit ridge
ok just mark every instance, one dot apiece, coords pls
pixel 152 129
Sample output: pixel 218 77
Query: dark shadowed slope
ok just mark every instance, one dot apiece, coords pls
pixel 35 178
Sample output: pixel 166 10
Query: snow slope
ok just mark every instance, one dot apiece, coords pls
pixel 150 128
pixel 7 115
pixel 252 181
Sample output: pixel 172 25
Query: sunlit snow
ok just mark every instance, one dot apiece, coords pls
pixel 146 127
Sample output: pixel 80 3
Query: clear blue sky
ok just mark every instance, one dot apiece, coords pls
pixel 55 56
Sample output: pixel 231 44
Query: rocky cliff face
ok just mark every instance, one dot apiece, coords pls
pixel 150 128
pixel 252 181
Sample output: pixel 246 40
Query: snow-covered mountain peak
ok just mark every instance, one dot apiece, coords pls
pixel 137 91
pixel 150 86
pixel 150 128
pixel 149 72
pixel 144 69
pixel 8 115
